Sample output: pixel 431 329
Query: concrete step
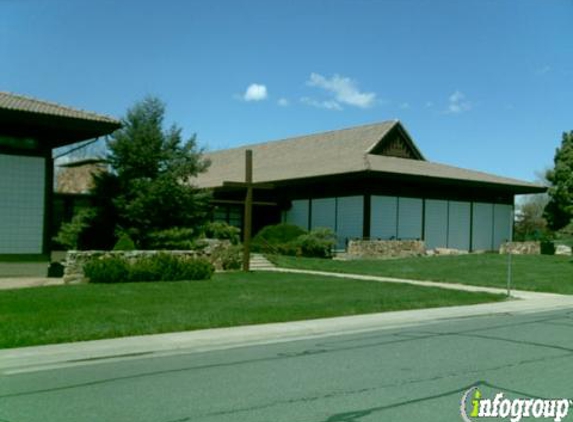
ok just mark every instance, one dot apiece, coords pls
pixel 259 262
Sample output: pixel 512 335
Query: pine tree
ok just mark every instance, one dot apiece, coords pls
pixel 148 189
pixel 559 210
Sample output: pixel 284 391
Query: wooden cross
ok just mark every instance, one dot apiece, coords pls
pixel 248 215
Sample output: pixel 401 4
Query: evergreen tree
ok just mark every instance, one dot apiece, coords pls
pixel 148 189
pixel 559 210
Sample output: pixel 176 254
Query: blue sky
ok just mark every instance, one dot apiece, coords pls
pixel 480 84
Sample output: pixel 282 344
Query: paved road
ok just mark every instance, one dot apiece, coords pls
pixel 411 374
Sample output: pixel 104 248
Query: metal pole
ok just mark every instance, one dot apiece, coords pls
pixel 248 210
pixel 510 237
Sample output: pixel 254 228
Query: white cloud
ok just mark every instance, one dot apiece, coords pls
pixel 283 102
pixel 458 103
pixel 328 104
pixel 429 104
pixel 255 92
pixel 404 106
pixel 344 90
pixel 543 70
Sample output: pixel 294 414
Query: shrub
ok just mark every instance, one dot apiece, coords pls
pixel 70 233
pixel 194 269
pixel 167 267
pixel 547 247
pixel 177 238
pixel 145 269
pixel 279 238
pixel 222 231
pixel 319 243
pixel 230 258
pixel 56 270
pixel 124 243
pixel 107 270
pixel 160 267
pixel 280 233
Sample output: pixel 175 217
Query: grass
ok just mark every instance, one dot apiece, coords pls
pixel 85 312
pixel 541 273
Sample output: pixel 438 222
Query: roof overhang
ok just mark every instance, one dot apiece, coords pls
pixel 441 182
pixel 51 130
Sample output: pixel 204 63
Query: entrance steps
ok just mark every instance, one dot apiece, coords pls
pixel 260 263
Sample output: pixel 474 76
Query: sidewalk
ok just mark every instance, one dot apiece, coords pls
pixel 81 353
pixel 25 282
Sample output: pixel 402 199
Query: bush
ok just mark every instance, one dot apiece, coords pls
pixel 222 231
pixel 124 243
pixel 177 238
pixel 280 238
pixel 167 267
pixel 194 269
pixel 280 233
pixel 547 247
pixel 70 233
pixel 229 258
pixel 319 243
pixel 107 270
pixel 55 270
pixel 160 267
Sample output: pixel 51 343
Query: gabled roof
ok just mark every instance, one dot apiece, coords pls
pixel 352 150
pixel 52 123
pixel 314 155
pixel 9 101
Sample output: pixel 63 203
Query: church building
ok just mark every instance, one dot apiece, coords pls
pixel 29 130
pixel 366 182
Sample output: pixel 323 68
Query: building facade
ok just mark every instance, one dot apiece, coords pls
pixel 367 182
pixel 29 130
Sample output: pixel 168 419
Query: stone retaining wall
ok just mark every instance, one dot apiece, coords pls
pixel 520 248
pixel 75 260
pixel 386 248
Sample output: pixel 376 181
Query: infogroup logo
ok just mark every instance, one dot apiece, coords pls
pixel 475 407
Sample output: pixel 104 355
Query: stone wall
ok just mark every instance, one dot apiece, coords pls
pixel 385 248
pixel 520 248
pixel 75 260
pixel 563 250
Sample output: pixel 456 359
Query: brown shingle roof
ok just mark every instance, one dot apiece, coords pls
pixel 22 103
pixel 320 154
pixel 335 153
pixel 440 171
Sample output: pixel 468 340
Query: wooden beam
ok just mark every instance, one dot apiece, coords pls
pixel 248 210
pixel 243 185
pixel 239 202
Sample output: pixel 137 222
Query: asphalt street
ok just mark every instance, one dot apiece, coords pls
pixel 412 374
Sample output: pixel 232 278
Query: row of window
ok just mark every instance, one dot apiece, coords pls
pixel 441 223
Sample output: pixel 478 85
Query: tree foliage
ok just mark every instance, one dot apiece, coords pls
pixel 530 223
pixel 148 188
pixel 559 210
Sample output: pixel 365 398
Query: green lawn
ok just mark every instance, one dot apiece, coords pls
pixel 542 273
pixel 83 312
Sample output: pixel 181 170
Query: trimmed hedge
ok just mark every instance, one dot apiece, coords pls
pixel 160 267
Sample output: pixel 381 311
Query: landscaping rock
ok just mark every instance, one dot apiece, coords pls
pixel 563 250
pixel 385 248
pixel 449 251
pixel 520 248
